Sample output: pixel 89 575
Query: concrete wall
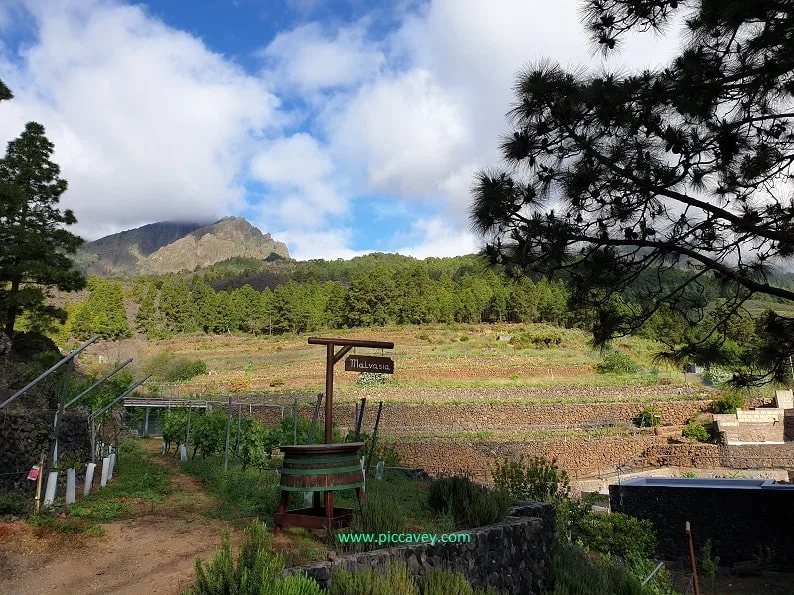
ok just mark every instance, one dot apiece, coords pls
pixel 25 434
pixel 512 556
pixel 740 522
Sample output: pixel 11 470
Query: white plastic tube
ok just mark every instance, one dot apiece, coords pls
pixel 112 465
pixel 89 478
pixel 105 470
pixel 52 483
pixel 71 479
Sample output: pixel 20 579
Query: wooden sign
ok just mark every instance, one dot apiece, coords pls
pixel 369 363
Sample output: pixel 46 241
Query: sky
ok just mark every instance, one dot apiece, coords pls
pixel 341 127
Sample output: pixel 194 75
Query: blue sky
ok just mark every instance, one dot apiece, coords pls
pixel 339 126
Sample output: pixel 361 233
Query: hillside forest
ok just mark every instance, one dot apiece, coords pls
pixel 255 297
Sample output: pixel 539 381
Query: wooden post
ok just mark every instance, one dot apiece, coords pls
pixel 38 483
pixel 228 431
pixel 692 559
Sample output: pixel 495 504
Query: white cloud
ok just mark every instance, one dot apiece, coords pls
pixel 302 181
pixel 148 123
pixel 436 237
pixel 309 59
pixel 329 244
pixel 405 130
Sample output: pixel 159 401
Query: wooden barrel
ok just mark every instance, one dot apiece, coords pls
pixel 322 467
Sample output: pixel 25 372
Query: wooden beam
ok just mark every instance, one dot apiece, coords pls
pixel 351 342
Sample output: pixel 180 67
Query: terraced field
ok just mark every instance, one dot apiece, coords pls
pixel 458 393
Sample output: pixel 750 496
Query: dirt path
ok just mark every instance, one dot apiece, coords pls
pixel 152 553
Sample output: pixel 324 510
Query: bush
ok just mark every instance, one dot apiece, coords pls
pixel 716 376
pixel 380 513
pixel 571 572
pixel 649 417
pixel 616 362
pixel 539 339
pixel 168 368
pixel 538 480
pixel 14 503
pixel 728 403
pixel 617 534
pixel 257 569
pixel 396 580
pixel 370 379
pixel 469 504
pixel 695 430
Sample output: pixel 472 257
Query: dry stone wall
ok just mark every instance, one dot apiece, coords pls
pixel 25 434
pixel 400 419
pixel 512 556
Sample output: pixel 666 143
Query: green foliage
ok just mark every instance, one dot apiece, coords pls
pixel 469 504
pixel 649 417
pixel 35 243
pixel 243 493
pixel 571 572
pixel 538 479
pixel 102 511
pixel 14 503
pixel 709 563
pixel 537 339
pixel 616 534
pixel 174 426
pixel 102 313
pixel 371 380
pixel 728 403
pixel 257 570
pixel 695 430
pixel 616 362
pixel 716 375
pixel 169 368
pixel 396 580
pixel 380 513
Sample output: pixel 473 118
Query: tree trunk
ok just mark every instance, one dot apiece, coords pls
pixel 11 313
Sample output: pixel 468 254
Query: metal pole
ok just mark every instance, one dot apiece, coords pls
pixel 692 558
pixel 237 440
pixel 97 383
pixel 43 375
pixel 360 419
pixel 228 430
pixel 374 438
pixel 187 437
pixel 52 461
pixel 314 419
pixel 295 421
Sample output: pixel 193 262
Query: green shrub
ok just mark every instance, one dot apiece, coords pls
pixel 469 504
pixel 370 379
pixel 716 376
pixel 539 339
pixel 571 572
pixel 277 381
pixel 396 580
pixel 695 430
pixel 728 403
pixel 14 503
pixel 169 368
pixel 617 534
pixel 380 513
pixel 649 417
pixel 616 362
pixel 708 561
pixel 538 480
pixel 256 571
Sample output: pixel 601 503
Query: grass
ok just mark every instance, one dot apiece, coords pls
pixel 572 572
pixel 241 494
pixel 431 357
pixel 137 481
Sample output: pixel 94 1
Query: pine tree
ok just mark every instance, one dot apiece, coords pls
pixel 103 312
pixel 35 246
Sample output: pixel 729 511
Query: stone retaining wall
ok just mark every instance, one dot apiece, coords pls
pixel 25 434
pixel 400 419
pixel 512 556
pixel 747 456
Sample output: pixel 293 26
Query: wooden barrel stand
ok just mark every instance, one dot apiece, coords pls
pixel 319 468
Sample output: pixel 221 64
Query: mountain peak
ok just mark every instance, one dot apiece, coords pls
pixel 168 247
